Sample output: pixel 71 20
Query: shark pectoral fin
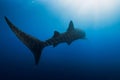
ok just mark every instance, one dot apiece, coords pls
pixel 71 26
pixel 69 43
pixel 54 45
pixel 36 46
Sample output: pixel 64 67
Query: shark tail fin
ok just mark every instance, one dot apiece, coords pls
pixel 36 46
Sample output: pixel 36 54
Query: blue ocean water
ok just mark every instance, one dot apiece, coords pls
pixel 96 58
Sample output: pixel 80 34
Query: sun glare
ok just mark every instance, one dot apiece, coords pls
pixel 85 6
pixel 86 9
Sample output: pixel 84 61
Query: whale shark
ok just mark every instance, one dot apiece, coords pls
pixel 36 46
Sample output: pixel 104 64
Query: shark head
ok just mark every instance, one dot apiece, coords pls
pixel 80 34
pixel 77 33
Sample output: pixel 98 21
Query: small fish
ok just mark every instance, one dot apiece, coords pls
pixel 36 46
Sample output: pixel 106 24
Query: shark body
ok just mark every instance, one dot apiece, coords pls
pixel 36 46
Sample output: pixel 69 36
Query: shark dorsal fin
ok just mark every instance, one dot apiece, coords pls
pixel 71 26
pixel 56 33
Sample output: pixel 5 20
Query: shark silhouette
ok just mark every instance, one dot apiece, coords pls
pixel 36 46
